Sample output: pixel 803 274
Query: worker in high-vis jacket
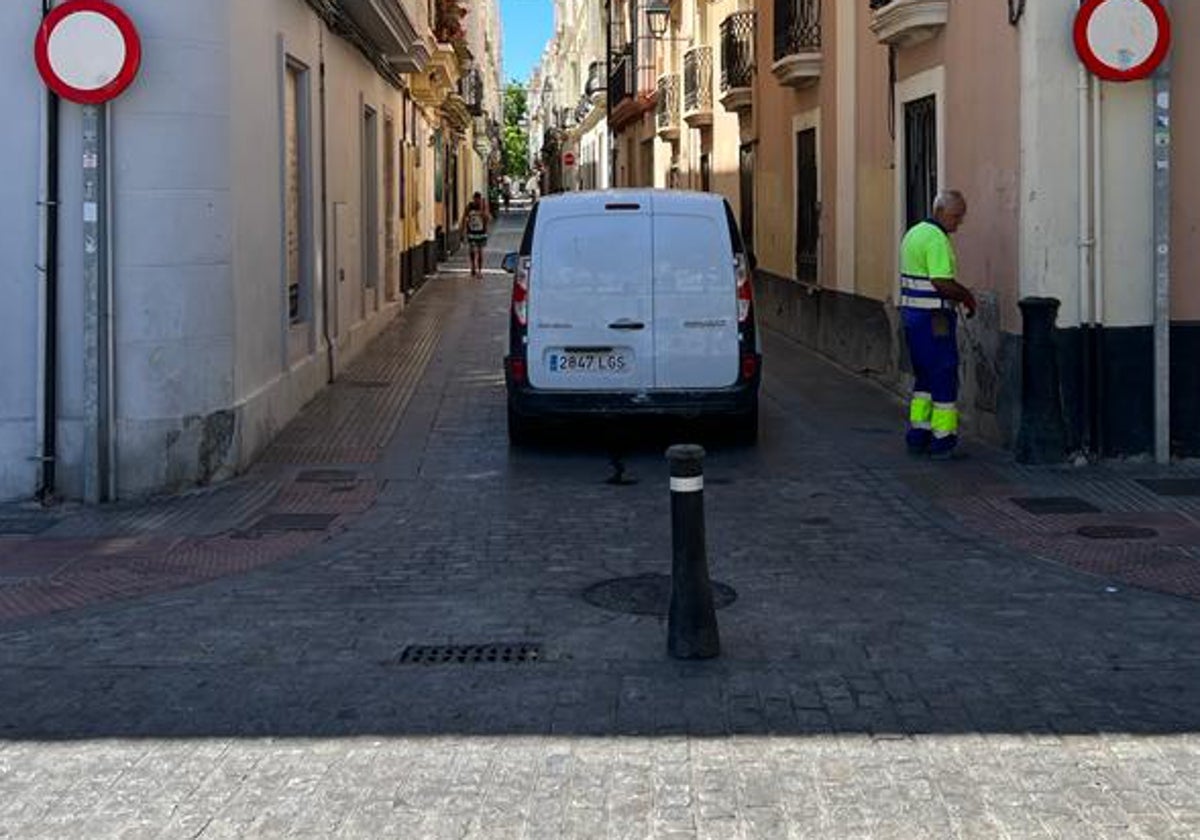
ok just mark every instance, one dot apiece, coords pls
pixel 930 295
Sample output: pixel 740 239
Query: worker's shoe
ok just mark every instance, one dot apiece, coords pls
pixel 944 449
pixel 917 441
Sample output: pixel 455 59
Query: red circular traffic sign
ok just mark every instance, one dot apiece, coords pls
pixel 1122 40
pixel 568 158
pixel 88 51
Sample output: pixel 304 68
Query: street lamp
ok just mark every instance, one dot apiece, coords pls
pixel 658 16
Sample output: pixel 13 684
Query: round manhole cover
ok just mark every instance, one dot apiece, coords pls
pixel 646 595
pixel 1116 532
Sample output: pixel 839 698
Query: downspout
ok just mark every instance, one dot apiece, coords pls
pixel 48 323
pixel 1098 262
pixel 327 288
pixel 1086 254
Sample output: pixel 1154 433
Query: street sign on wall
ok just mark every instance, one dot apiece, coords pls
pixel 1122 40
pixel 88 51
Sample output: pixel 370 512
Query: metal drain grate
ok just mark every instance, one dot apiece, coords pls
pixel 276 522
pixel 1172 486
pixel 327 477
pixel 471 654
pixel 1045 505
pixel 1116 532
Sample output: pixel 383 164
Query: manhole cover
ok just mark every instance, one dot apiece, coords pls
pixel 1172 486
pixel 327 477
pixel 646 595
pixel 1043 505
pixel 1116 532
pixel 470 654
pixel 24 526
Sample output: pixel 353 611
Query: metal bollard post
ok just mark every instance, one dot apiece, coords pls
pixel 1042 438
pixel 692 621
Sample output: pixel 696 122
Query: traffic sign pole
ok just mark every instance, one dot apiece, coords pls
pixel 1162 262
pixel 98 355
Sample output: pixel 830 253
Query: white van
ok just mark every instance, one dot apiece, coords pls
pixel 632 302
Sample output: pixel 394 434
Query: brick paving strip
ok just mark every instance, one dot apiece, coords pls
pixel 61 560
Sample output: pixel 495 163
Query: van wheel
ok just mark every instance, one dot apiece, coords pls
pixel 745 429
pixel 520 429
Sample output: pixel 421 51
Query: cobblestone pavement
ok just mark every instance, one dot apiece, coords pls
pixel 911 654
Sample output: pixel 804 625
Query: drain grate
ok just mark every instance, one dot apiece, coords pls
pixel 1116 532
pixel 1046 505
pixel 471 654
pixel 1172 486
pixel 646 595
pixel 327 477
pixel 292 522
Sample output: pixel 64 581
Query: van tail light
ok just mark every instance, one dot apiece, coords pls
pixel 749 365
pixel 520 292
pixel 517 370
pixel 745 287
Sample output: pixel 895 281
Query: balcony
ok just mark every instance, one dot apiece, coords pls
pixel 470 87
pixel 737 61
pixel 698 86
pixel 667 106
pixel 797 42
pixel 907 22
pixel 594 86
pixel 390 27
pixel 620 80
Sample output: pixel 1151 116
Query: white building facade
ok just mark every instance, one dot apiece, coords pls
pixel 273 207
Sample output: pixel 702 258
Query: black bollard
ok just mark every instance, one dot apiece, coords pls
pixel 692 620
pixel 1042 438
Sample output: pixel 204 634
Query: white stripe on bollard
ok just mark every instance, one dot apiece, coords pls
pixel 687 485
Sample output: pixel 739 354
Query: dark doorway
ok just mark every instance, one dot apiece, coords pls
pixel 706 172
pixel 808 208
pixel 920 158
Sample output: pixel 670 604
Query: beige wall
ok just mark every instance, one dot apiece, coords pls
pixel 874 154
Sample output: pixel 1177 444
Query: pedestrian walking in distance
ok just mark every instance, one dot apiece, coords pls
pixel 475 221
pixel 930 295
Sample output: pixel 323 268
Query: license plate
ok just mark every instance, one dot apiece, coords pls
pixel 588 362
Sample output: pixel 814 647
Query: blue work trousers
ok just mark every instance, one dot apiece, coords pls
pixel 933 348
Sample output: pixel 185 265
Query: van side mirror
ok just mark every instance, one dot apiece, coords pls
pixel 509 263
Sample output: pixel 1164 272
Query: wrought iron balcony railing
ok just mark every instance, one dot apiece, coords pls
pixel 797 27
pixel 697 80
pixel 667 108
pixel 737 50
pixel 470 87
pixel 621 79
pixel 595 79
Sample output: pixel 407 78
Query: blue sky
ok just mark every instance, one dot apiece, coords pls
pixel 528 25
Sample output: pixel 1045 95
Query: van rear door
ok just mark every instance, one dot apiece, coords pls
pixel 590 306
pixel 695 294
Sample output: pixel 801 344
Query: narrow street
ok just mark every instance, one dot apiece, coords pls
pixel 910 652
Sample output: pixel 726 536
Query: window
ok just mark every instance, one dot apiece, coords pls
pixel 391 267
pixel 296 156
pixel 920 158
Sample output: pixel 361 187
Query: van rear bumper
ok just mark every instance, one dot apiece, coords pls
pixel 526 401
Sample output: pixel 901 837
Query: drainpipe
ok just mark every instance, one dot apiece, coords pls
pixel 1098 315
pixel 1086 254
pixel 328 288
pixel 48 321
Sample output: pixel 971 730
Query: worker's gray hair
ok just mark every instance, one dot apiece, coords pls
pixel 945 199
